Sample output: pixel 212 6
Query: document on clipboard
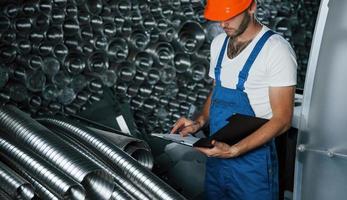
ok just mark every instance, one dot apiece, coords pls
pixel 239 127
pixel 188 140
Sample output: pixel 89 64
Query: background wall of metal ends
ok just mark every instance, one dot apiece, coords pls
pixel 13 184
pixel 56 55
pixel 150 184
pixel 15 123
pixel 62 185
pixel 138 149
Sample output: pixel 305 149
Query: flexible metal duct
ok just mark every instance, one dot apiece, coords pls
pixel 97 183
pixel 62 185
pixel 162 52
pixel 191 36
pixel 118 50
pixel 126 71
pixel 144 179
pixel 136 148
pixel 41 190
pixel 118 176
pixel 139 39
pixel 14 185
pixel 182 62
pixel 143 61
pixel 4 195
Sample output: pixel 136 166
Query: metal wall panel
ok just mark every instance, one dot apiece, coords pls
pixel 322 143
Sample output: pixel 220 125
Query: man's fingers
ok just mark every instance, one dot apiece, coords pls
pixel 205 151
pixel 180 123
pixel 187 130
pixel 217 144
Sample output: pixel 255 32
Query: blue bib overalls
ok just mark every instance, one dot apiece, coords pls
pixel 254 175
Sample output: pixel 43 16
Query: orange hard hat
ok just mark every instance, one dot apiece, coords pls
pixel 221 10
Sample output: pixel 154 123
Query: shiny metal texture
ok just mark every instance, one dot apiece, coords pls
pixel 154 187
pixel 44 173
pixel 95 181
pixel 139 39
pixel 190 36
pixel 126 71
pixel 163 52
pixel 136 148
pixel 97 63
pixel 4 23
pixel 131 190
pixel 4 76
pixel 42 191
pixel 167 41
pixel 4 195
pixel 14 185
pixel 118 50
pixel 143 61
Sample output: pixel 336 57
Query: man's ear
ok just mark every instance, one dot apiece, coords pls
pixel 253 7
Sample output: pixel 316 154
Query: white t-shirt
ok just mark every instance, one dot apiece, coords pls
pixel 275 66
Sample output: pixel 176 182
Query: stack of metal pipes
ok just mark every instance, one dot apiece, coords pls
pixel 57 55
pixel 56 158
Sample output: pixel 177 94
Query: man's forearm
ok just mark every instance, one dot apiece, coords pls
pixel 271 129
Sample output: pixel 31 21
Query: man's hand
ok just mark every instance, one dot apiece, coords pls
pixel 185 126
pixel 220 150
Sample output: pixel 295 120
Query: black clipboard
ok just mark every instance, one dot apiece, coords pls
pixel 239 127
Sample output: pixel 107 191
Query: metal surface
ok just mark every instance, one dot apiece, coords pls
pixel 120 180
pixel 136 148
pixel 96 182
pixel 13 184
pixel 170 36
pixel 144 179
pixel 191 36
pixel 4 195
pixel 322 139
pixel 44 173
pixel 42 191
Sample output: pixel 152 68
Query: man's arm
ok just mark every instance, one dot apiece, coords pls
pixel 185 126
pixel 281 101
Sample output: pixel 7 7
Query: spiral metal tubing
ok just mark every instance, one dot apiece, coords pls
pixel 42 191
pixel 154 187
pixel 132 192
pixel 14 185
pixel 62 185
pixel 138 149
pixel 4 195
pixel 97 183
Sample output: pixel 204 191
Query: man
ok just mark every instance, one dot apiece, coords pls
pixel 255 74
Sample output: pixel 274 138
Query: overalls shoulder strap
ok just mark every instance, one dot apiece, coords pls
pixel 243 75
pixel 218 67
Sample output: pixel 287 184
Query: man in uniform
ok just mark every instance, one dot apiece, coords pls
pixel 255 74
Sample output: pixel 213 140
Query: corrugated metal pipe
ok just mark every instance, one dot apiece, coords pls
pixel 41 190
pixel 97 183
pixel 14 185
pixel 154 187
pixel 117 174
pixel 4 195
pixel 37 167
pixel 138 149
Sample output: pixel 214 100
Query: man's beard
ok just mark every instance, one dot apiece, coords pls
pixel 243 26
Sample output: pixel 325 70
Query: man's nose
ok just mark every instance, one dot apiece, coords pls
pixel 222 24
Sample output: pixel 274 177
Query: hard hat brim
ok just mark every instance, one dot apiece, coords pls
pixel 225 10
